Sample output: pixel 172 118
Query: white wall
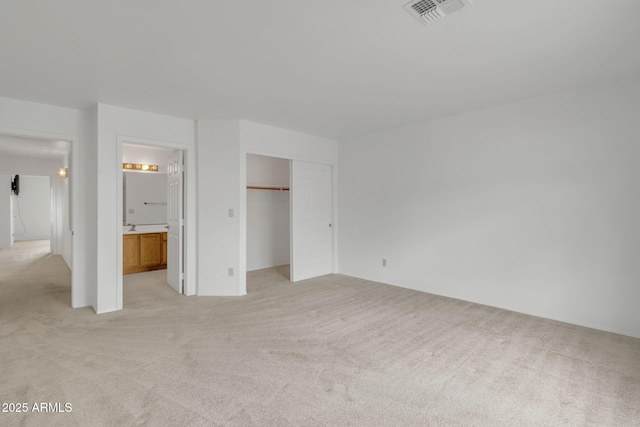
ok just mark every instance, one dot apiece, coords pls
pixel 32 209
pixel 35 120
pixel 85 213
pixel 268 222
pixel 6 211
pixel 117 126
pixel 61 233
pixel 531 206
pixel 218 191
pixel 222 174
pixel 22 166
pixel 267 171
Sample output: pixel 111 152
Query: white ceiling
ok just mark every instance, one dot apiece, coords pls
pixel 28 148
pixel 333 68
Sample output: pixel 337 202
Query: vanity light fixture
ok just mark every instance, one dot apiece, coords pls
pixel 139 167
pixel 63 173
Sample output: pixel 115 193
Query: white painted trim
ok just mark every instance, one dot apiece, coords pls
pixel 292 255
pixel 334 201
pixel 190 244
pixel 78 295
pixel 120 220
pixel 77 250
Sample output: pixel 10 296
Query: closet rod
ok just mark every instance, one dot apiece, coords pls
pixel 254 187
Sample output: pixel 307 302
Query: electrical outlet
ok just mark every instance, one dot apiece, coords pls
pixel 230 213
pixel 384 262
pixel 132 211
pixel 230 271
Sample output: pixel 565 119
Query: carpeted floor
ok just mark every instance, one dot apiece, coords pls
pixel 329 351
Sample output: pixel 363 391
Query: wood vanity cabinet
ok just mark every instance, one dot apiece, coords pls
pixel 144 252
pixel 130 251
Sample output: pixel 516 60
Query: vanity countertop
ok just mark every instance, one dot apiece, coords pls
pixel 141 229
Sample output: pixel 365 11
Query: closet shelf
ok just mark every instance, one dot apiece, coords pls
pixel 255 187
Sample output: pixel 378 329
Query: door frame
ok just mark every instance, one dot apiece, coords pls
pixel 189 207
pixel 78 262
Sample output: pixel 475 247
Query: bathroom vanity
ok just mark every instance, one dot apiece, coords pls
pixel 144 250
pixel 144 245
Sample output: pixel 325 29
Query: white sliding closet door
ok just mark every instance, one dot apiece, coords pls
pixel 311 220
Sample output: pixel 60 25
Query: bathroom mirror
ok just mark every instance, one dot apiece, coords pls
pixel 145 198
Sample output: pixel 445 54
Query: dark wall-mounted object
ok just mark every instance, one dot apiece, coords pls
pixel 15 185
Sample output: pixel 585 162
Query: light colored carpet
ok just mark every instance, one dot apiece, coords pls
pixel 329 351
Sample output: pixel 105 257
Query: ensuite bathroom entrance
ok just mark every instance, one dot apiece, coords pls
pixel 152 212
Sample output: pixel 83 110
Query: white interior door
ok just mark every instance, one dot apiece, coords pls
pixel 174 221
pixel 311 220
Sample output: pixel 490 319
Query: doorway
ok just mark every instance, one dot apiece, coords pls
pixel 268 214
pixel 152 210
pixel 309 218
pixel 37 218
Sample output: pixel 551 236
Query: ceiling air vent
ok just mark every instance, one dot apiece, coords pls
pixel 429 11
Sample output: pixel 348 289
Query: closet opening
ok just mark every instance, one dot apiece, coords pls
pixel 268 214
